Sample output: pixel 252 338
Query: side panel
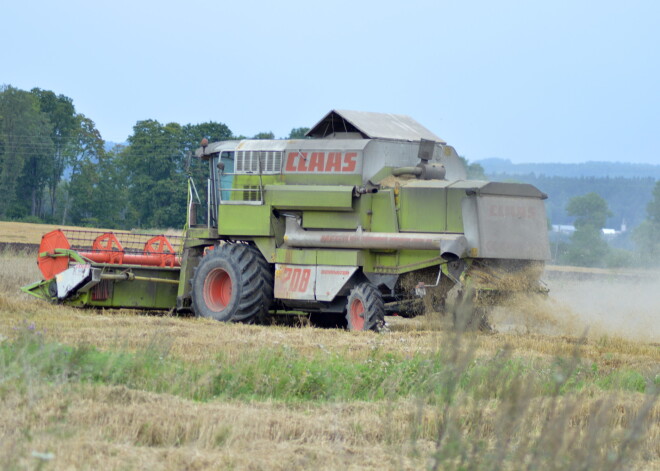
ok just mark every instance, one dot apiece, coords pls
pixel 340 257
pixel 506 227
pixel 295 256
pixel 401 261
pixel 302 197
pixel 330 280
pixel 455 198
pixel 333 220
pixel 244 220
pixel 335 257
pixel 383 218
pixel 309 283
pixel 350 220
pixel 423 209
pixel 132 294
pixel 295 281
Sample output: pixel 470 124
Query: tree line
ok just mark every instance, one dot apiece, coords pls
pixel 626 197
pixel 55 168
pixel 587 245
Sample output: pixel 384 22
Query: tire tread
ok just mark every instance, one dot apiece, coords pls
pixel 255 282
pixel 374 306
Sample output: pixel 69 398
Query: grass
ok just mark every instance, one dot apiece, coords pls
pixel 29 233
pixel 446 408
pixel 283 374
pixel 120 390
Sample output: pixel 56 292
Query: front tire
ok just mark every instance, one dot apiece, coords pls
pixel 365 309
pixel 233 283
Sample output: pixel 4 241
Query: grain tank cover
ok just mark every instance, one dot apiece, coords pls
pixel 505 220
pixel 507 189
pixel 368 125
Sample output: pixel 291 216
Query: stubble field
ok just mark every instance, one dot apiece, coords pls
pixel 570 382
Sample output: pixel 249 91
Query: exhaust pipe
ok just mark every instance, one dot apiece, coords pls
pixel 451 246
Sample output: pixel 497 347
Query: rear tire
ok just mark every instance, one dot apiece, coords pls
pixel 233 283
pixel 365 309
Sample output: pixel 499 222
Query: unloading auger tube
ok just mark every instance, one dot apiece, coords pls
pixel 451 246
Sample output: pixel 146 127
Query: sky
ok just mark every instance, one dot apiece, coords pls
pixel 529 81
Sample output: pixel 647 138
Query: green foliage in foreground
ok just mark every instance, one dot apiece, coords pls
pixel 286 375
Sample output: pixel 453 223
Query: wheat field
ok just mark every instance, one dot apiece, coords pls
pixel 551 389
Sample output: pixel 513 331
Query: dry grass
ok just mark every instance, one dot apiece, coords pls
pixel 136 430
pixel 28 233
pixel 118 428
pixel 87 426
pixel 200 340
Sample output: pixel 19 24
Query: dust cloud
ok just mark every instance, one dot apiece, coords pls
pixel 614 306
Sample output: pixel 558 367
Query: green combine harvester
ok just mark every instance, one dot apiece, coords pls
pixel 372 214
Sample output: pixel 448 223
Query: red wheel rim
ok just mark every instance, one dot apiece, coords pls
pixel 217 289
pixel 356 311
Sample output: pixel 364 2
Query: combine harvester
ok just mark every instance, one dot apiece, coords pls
pixel 372 214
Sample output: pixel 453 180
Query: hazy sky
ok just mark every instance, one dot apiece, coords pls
pixel 531 81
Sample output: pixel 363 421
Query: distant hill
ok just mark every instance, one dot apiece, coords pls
pixel 496 166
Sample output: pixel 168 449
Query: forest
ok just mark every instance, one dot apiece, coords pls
pixel 56 168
